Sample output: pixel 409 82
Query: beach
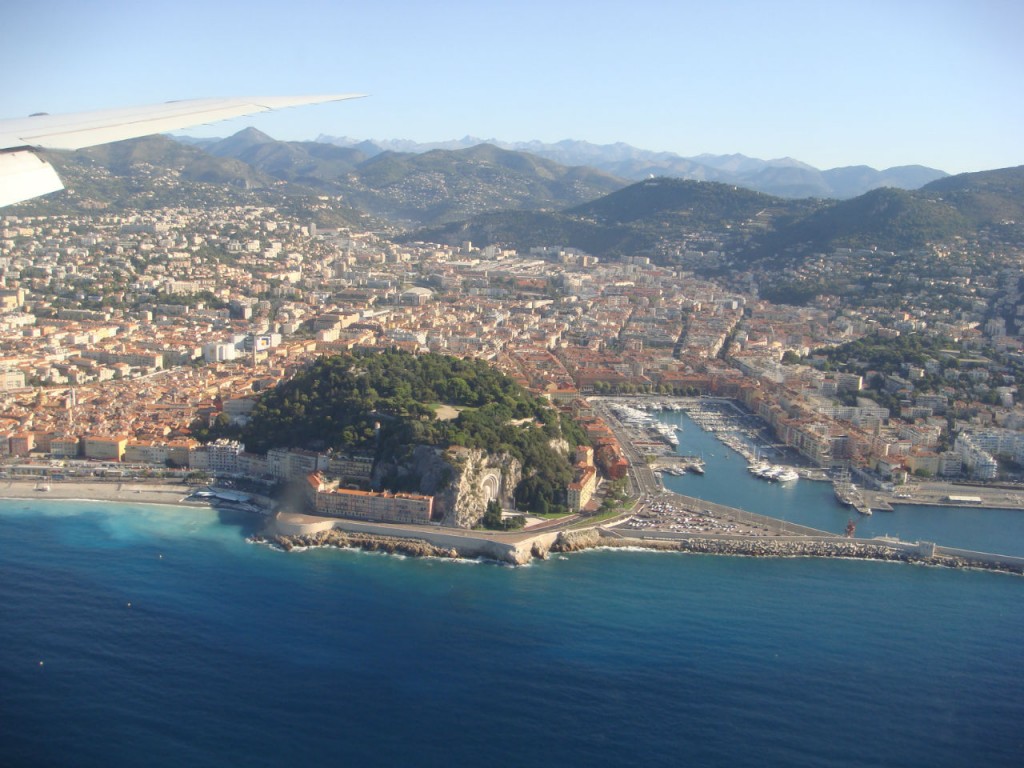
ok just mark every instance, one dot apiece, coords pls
pixel 137 492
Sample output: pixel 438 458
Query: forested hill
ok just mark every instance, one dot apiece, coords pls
pixel 429 188
pixel 987 197
pixel 702 204
pixel 632 220
pixel 656 214
pixel 892 219
pixel 970 205
pixel 338 401
pixel 155 172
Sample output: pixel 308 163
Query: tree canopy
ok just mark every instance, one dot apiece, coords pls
pixel 384 401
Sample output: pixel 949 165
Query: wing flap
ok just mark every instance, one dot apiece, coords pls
pixel 24 175
pixel 87 129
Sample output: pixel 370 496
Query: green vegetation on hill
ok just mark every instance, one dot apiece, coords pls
pixel 962 372
pixel 987 197
pixel 701 204
pixel 629 221
pixel 660 213
pixel 429 188
pixel 877 356
pixel 382 401
pixel 885 353
pixel 970 205
pixel 892 219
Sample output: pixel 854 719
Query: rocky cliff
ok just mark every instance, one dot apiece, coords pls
pixel 461 480
pixel 476 478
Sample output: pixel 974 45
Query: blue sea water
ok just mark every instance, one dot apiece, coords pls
pixel 144 635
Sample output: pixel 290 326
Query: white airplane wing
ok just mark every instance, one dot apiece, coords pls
pixel 24 174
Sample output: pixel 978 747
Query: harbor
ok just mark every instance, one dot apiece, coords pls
pixel 727 440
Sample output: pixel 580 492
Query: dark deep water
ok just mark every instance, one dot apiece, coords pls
pixel 234 654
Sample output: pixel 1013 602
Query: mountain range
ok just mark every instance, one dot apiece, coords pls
pixel 783 177
pixel 491 195
pixel 657 216
pixel 421 188
pixel 156 171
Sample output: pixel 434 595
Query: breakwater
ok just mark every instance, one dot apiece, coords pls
pixel 802 546
pixel 290 532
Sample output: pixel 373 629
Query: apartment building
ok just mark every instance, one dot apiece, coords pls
pixel 380 507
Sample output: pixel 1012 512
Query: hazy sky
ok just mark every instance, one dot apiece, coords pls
pixel 897 82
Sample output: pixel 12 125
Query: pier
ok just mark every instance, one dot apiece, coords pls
pixel 944 494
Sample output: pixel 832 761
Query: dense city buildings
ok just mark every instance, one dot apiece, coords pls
pixel 119 333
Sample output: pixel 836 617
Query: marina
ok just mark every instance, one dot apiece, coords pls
pixel 646 430
pixel 774 473
pixel 927 511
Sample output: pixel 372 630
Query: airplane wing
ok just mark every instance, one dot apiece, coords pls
pixel 24 174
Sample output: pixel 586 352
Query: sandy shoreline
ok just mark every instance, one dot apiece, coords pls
pixel 85 490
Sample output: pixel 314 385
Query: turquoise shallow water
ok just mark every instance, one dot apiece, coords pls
pixel 231 653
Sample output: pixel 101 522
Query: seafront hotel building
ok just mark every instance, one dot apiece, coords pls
pixel 383 507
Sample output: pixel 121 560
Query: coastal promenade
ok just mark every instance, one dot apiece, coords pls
pixel 133 492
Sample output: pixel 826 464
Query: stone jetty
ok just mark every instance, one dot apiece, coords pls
pixel 298 531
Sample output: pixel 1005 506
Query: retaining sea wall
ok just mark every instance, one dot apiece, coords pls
pixel 294 530
pixel 308 529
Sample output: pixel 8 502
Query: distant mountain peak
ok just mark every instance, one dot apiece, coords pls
pixel 252 134
pixel 233 145
pixel 782 176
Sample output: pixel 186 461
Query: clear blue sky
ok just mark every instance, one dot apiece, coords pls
pixel 872 82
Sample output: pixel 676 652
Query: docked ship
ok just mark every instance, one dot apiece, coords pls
pixel 666 433
pixel 637 419
pixel 759 468
pixel 773 473
pixel 786 475
pixel 849 495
